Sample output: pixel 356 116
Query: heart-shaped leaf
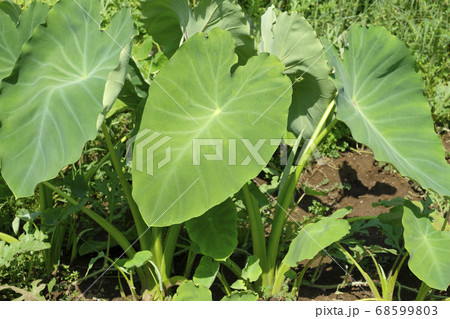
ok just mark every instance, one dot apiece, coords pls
pixel 165 21
pixel 170 22
pixel 206 271
pixel 252 269
pixel 429 248
pixel 215 231
pixel 205 132
pixel 241 296
pixel 316 236
pixel 51 111
pixel 292 39
pixel 381 99
pixel 189 291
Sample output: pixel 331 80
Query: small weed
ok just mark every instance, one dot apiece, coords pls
pixel 336 142
pixel 318 209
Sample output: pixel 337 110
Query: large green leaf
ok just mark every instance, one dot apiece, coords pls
pixel 316 236
pixel 166 21
pixel 170 22
pixel 12 38
pixel 291 38
pixel 52 109
pixel 428 247
pixel 197 101
pixel 189 291
pixel 381 99
pixel 215 231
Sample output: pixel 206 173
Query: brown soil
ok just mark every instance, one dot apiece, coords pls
pixel 357 180
pixel 445 139
pixel 366 181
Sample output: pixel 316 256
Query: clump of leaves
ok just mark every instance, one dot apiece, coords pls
pixel 111 7
pixel 317 208
pixel 22 260
pixel 34 294
pixel 336 142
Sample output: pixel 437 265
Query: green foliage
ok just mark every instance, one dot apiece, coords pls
pixel 148 63
pixel 252 271
pixel 19 258
pixel 313 237
pixel 241 296
pixel 110 7
pixel 172 22
pixel 193 76
pixel 34 294
pixel 336 142
pixel 295 43
pixel 9 205
pixel 27 3
pixel 27 243
pixel 428 247
pixel 16 33
pixel 206 271
pixel 215 231
pixel 317 209
pixel 376 91
pixel 239 285
pixel 210 104
pixel 422 25
pixel 11 9
pixel 189 291
pixel 34 149
pixel 138 260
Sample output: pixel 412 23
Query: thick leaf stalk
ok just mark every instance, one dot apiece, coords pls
pixel 141 226
pixel 287 192
pixel 257 228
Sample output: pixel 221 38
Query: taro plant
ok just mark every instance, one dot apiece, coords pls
pixel 371 99
pixel 376 81
pixel 209 110
pixel 425 235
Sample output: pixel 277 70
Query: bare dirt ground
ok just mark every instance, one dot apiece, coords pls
pixel 355 180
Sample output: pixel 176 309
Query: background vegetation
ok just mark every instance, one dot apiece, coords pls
pixel 422 24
